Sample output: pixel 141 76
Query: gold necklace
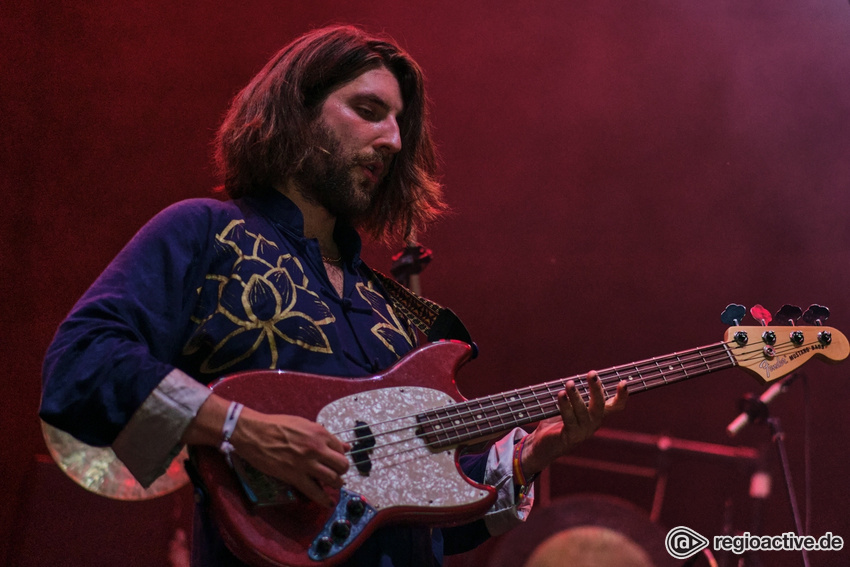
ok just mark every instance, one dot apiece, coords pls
pixel 331 260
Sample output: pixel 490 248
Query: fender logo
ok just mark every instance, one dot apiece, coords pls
pixel 767 367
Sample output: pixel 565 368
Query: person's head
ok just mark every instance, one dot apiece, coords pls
pixel 273 130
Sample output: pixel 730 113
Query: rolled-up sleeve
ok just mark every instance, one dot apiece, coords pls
pixel 151 439
pixel 510 508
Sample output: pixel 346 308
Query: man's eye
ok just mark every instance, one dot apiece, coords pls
pixel 366 112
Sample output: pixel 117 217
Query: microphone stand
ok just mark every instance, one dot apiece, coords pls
pixel 778 437
pixel 758 411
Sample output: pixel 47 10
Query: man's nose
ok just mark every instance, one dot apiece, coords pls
pixel 389 138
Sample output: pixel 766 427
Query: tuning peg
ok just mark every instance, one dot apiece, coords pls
pixel 816 314
pixel 733 314
pixel 789 313
pixel 761 314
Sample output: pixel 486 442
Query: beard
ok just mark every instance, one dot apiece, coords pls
pixel 326 177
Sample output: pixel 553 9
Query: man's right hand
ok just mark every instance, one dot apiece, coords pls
pixel 295 450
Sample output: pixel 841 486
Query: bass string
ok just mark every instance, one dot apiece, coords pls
pixel 654 379
pixel 609 385
pixel 531 393
pixel 547 406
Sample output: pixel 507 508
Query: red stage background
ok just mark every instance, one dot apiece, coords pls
pixel 619 173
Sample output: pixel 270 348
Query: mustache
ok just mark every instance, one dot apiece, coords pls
pixel 372 157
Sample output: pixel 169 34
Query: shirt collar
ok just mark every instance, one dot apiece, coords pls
pixel 279 209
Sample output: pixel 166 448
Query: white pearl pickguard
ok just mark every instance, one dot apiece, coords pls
pixel 404 471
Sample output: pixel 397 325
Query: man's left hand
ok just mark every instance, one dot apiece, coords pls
pixel 557 436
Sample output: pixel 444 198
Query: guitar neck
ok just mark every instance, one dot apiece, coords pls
pixel 481 418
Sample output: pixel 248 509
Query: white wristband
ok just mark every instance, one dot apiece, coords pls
pixel 229 427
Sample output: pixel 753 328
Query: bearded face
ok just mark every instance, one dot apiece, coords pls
pixel 335 179
pixel 353 141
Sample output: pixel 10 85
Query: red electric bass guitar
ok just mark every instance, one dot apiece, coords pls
pixel 405 426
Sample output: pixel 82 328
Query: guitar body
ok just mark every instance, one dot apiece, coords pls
pixel 405 425
pixel 400 481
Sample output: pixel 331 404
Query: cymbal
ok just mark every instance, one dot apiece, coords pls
pixel 99 470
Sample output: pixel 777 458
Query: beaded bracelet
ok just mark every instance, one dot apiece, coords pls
pixel 519 475
pixel 228 428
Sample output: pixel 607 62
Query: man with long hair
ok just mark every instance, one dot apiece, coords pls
pixel 331 137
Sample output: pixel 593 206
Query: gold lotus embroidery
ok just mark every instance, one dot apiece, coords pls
pixel 390 325
pixel 268 297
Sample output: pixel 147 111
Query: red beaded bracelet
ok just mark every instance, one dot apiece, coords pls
pixel 519 476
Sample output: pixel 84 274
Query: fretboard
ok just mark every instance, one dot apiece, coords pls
pixel 478 419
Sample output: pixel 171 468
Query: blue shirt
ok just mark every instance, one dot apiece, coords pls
pixel 212 288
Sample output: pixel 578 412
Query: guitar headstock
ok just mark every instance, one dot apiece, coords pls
pixel 772 351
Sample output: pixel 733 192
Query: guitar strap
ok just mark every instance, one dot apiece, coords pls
pixel 436 322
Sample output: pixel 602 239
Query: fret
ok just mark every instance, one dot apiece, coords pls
pixel 478 415
pixel 432 428
pixel 647 371
pixel 540 409
pixel 459 423
pixel 675 369
pixel 679 360
pixel 514 405
pixel 640 375
pixel 521 413
pixel 447 422
pixel 704 361
pixel 497 419
pixel 608 385
pixel 624 376
pixel 553 397
pixel 661 371
pixel 653 375
pixel 503 404
pixel 619 379
pixel 717 359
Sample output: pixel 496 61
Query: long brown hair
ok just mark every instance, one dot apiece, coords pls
pixel 266 132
